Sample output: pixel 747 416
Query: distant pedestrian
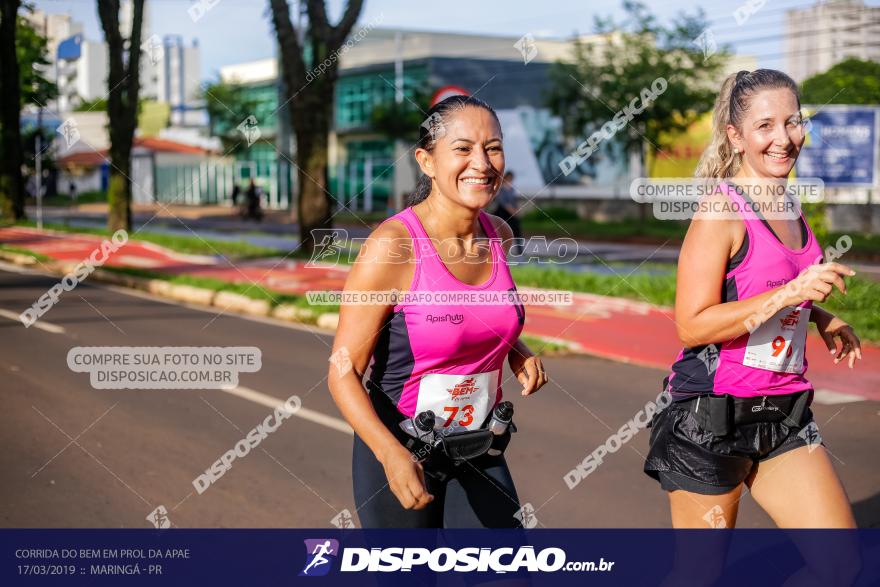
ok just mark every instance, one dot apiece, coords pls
pixel 71 191
pixel 506 210
pixel 253 202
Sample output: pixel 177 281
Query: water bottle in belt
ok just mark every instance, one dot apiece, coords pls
pixel 421 427
pixel 501 417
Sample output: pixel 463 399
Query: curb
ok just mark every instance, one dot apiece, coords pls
pixel 192 294
pixel 233 302
pixel 569 347
pixel 18 258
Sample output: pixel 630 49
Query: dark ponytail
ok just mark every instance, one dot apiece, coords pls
pixel 433 128
pixel 422 191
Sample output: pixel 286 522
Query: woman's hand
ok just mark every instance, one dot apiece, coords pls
pixel 831 328
pixel 527 368
pixel 406 478
pixel 816 282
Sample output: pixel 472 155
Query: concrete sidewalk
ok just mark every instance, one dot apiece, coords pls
pixel 613 328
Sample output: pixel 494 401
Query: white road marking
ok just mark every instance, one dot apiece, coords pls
pixel 827 397
pixel 821 396
pixel 148 296
pixel 41 324
pixel 213 310
pixel 269 401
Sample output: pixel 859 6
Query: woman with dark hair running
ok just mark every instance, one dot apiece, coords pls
pixel 439 357
pixel 747 288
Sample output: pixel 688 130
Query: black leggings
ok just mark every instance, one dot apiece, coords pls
pixel 477 494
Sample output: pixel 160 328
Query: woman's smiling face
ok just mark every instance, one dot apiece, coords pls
pixel 467 161
pixel 772 134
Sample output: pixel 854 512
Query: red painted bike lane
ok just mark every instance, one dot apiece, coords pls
pixel 612 328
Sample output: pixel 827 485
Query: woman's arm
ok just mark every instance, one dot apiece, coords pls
pixel 527 367
pixel 383 264
pixel 831 327
pixel 701 318
pixel 820 317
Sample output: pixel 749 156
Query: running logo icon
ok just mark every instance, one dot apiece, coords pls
pixel 329 245
pixel 319 556
pixel 715 517
pixel 709 357
pixel 466 387
pixel 810 435
pixel 526 516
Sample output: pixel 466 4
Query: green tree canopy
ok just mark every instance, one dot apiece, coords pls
pixel 227 105
pixel 852 81
pixel 95 105
pixel 32 51
pixel 604 77
pixel 401 121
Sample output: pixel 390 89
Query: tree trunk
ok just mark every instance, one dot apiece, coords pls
pixel 311 103
pixel 123 80
pixel 312 121
pixel 119 191
pixel 313 207
pixel 11 184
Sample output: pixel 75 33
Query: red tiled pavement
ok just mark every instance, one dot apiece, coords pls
pixel 613 328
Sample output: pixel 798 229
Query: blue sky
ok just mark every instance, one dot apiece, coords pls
pixel 234 31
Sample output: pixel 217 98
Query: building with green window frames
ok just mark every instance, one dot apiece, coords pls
pixel 371 163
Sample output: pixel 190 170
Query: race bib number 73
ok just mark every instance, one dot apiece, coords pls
pixel 458 400
pixel 779 343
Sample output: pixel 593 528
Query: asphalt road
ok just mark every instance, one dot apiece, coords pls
pixel 75 456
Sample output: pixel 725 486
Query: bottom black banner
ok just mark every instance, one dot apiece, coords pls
pixel 440 557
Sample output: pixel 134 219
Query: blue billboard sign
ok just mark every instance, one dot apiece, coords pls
pixel 841 146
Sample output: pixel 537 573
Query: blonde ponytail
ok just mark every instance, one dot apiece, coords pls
pixel 719 160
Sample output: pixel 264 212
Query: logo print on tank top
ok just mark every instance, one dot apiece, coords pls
pixel 450 318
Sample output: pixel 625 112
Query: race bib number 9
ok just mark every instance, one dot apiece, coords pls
pixel 458 400
pixel 779 343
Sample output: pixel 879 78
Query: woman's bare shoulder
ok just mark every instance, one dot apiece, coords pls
pixel 391 239
pixel 501 227
pixel 385 259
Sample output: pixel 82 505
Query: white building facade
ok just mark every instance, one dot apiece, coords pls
pixel 819 37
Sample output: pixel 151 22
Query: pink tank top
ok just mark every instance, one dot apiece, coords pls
pixel 769 360
pixel 447 357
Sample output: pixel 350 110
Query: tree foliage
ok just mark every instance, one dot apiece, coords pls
pixel 32 50
pixel 852 81
pixel 227 105
pixel 401 120
pixel 93 105
pixel 609 71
